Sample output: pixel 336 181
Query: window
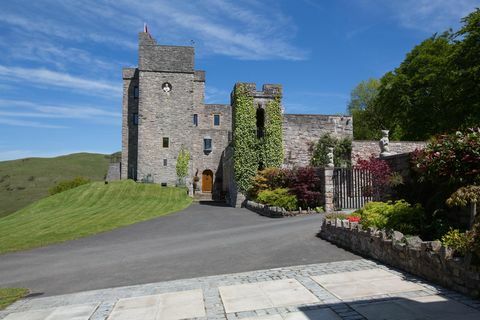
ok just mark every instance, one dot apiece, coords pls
pixel 207 144
pixel 163 184
pixel 135 119
pixel 216 119
pixel 195 120
pixel 165 142
pixel 165 162
pixel 260 123
pixel 135 92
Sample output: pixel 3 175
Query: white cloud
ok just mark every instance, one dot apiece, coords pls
pixel 223 27
pixel 42 76
pixel 427 15
pixel 13 113
pixel 215 95
pixel 31 124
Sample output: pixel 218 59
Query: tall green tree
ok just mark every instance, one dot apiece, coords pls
pixel 436 89
pixel 363 95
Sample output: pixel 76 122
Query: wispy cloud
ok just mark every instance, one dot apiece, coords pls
pixel 42 76
pixel 14 113
pixel 215 95
pixel 426 15
pixel 31 124
pixel 225 27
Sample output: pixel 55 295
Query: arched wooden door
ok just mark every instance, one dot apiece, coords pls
pixel 207 181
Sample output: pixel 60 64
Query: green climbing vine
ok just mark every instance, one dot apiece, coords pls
pixel 182 165
pixel 245 159
pixel 273 140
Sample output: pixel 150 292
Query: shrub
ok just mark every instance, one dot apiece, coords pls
pixel 268 179
pixel 398 215
pixel 342 149
pixel 456 240
pixel 181 167
pixel 452 158
pixel 279 197
pixel 306 185
pixel 68 184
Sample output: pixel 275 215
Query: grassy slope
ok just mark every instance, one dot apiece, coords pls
pixel 25 181
pixel 10 295
pixel 87 210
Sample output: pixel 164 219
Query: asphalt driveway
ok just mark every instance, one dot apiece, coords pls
pixel 199 241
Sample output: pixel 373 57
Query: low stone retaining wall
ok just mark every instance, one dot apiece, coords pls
pixel 274 212
pixel 427 259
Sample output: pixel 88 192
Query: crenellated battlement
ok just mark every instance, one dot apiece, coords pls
pixel 268 90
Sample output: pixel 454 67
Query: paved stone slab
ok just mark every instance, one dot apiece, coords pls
pixel 166 306
pixel 269 317
pixel 265 294
pixel 427 307
pixel 320 314
pixel 74 312
pixel 365 283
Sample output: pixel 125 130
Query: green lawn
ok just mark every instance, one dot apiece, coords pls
pixel 10 295
pixel 87 210
pixel 25 181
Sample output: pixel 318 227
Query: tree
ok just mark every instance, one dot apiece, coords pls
pixel 363 95
pixel 436 89
pixel 182 165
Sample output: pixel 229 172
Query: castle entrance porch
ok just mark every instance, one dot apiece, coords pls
pixel 207 181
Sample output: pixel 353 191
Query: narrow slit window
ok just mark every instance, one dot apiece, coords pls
pixel 135 92
pixel 166 142
pixel 216 119
pixel 165 162
pixel 195 120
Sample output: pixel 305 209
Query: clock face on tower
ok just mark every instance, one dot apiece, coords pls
pixel 167 87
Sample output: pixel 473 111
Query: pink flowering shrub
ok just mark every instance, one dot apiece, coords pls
pixel 452 158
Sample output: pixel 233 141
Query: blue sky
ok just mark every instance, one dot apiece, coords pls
pixel 60 66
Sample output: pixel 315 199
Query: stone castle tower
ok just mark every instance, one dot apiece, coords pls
pixel 164 111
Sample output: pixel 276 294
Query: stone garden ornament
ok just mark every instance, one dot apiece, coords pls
pixel 330 163
pixel 384 144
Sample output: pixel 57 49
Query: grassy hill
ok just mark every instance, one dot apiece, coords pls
pixel 25 181
pixel 87 210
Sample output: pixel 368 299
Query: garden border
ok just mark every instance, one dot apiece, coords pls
pixel 275 212
pixel 427 259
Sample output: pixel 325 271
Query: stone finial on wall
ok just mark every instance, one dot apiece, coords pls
pixel 330 163
pixel 384 144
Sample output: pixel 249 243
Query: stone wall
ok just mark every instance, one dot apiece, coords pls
pixel 427 259
pixel 220 138
pixel 129 129
pixel 113 173
pixel 274 212
pixel 365 148
pixel 301 132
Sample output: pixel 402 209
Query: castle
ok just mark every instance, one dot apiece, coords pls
pixel 164 111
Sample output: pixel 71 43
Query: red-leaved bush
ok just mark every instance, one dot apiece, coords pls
pixel 306 185
pixel 380 172
pixel 453 158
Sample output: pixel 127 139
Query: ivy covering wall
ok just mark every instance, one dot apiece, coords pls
pixel 273 140
pixel 245 158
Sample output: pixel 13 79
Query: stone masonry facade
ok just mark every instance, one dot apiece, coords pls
pixel 164 111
